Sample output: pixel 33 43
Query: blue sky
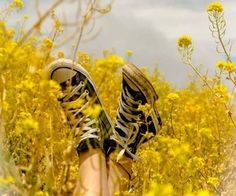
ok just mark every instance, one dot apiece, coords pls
pixel 150 28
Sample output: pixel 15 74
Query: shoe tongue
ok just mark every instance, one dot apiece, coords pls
pixel 63 74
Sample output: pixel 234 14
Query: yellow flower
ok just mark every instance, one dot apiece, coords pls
pixel 25 124
pixel 114 59
pixel 93 111
pixel 2 25
pixel 26 17
pixel 47 43
pixel 172 97
pixel 213 180
pixel 148 135
pixel 78 103
pixel 215 7
pixel 184 41
pixel 111 61
pixel 7 180
pixel 196 163
pixel 60 54
pixel 204 193
pixel 57 25
pixel 207 132
pixel 230 67
pixel 17 4
pixel 129 52
pixel 57 22
pixel 54 85
pixel 5 106
pixel 83 58
pixel 41 193
pixel 221 64
pixel 221 89
pixel 146 109
pixel 10 32
pixel 226 66
pixel 160 189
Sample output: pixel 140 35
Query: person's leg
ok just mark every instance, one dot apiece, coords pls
pixel 93 174
pixel 136 122
pixel 119 175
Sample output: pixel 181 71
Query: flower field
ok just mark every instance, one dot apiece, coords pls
pixel 189 156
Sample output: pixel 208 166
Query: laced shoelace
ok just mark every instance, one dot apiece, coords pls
pixel 132 129
pixel 86 122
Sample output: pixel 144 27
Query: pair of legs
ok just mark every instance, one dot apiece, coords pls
pixel 101 177
pixel 98 140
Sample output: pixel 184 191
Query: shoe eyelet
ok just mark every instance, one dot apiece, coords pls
pixel 86 92
pixel 140 102
pixel 82 83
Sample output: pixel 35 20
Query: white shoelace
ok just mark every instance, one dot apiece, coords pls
pixel 130 131
pixel 87 123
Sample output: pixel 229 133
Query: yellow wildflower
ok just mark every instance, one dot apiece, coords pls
pixel 57 25
pixel 196 163
pixel 26 17
pixel 172 97
pixel 26 123
pixel 5 106
pixel 146 109
pixel 78 103
pixel 184 41
pixel 215 7
pixel 17 4
pixel 100 62
pixel 55 89
pixel 83 58
pixel 129 52
pixel 93 111
pixel 10 32
pixel 148 135
pixel 7 180
pixel 54 85
pixel 230 67
pixel 111 61
pixel 221 89
pixel 204 193
pixel 47 43
pixel 207 132
pixel 2 25
pixel 221 64
pixel 41 193
pixel 60 54
pixel 213 180
pixel 26 85
pixel 160 189
pixel 57 22
pixel 114 59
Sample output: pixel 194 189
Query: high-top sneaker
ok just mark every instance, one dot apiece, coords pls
pixel 79 93
pixel 132 124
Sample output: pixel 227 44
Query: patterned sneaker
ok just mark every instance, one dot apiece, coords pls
pixel 79 93
pixel 132 123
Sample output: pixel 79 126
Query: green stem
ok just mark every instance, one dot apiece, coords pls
pixel 199 75
pixel 220 39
